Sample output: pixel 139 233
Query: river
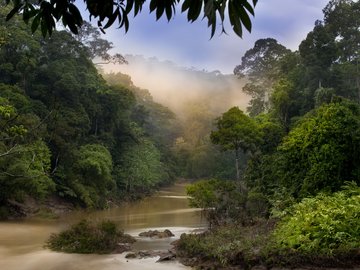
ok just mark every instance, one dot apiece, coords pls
pixel 21 242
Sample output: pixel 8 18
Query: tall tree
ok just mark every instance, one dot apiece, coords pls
pixel 261 66
pixel 343 20
pixel 97 47
pixel 238 132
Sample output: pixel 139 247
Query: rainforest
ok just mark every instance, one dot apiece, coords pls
pixel 137 159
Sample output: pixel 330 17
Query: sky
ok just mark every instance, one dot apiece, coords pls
pixel 189 44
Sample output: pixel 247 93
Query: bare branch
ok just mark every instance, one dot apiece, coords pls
pixel 9 152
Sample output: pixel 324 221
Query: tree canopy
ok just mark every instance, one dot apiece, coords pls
pixel 46 13
pixel 261 66
pixel 236 131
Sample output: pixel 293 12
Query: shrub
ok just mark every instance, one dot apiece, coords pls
pixel 85 237
pixel 324 225
pixel 227 245
pixel 221 199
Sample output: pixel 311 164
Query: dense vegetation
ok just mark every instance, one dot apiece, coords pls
pixel 302 151
pixel 86 237
pixel 90 138
pixel 70 132
pixel 66 132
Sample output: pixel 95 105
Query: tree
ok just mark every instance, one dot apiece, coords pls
pixel 24 156
pixel 46 13
pixel 238 132
pixel 141 167
pixel 94 168
pixel 322 151
pixel 63 129
pixel 281 100
pixel 342 18
pixel 261 66
pixel 330 53
pixel 97 47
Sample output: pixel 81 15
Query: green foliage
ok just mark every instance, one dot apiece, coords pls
pixel 86 237
pixel 64 131
pixel 204 160
pixel 26 171
pixel 227 245
pixel 322 150
pixel 221 200
pixel 44 14
pixel 281 100
pixel 325 224
pixel 91 178
pixel 141 168
pixel 272 132
pixel 323 95
pixel 261 65
pixel 94 163
pixel 236 131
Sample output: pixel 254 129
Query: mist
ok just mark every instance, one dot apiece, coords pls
pixel 176 87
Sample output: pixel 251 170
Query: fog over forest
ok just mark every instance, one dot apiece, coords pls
pixel 175 86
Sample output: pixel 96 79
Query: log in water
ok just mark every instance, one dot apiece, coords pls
pixel 21 242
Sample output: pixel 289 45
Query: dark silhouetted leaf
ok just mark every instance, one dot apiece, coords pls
pixel 13 12
pixel 35 23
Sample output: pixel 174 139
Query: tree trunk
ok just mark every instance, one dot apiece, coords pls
pixel 241 183
pixel 237 156
pixel 96 126
pixel 358 78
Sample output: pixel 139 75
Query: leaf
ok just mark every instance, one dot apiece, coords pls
pixel 209 8
pixel 76 14
pixel 210 14
pixel 245 18
pixel 234 19
pixel 153 5
pixel 194 10
pixel 249 8
pixel 138 6
pixel 185 5
pixel 221 10
pixel 112 18
pixel 168 10
pixel 70 23
pixel 125 21
pixel 44 29
pixel 12 12
pixel 159 11
pixel 35 23
pixel 129 6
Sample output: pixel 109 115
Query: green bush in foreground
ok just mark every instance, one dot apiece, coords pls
pixel 322 225
pixel 85 237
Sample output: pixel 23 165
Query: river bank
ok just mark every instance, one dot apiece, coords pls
pixel 251 247
pixel 54 206
pixel 22 241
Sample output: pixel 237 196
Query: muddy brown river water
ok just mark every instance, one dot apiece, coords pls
pixel 21 242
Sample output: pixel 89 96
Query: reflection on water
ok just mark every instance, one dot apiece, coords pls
pixel 21 243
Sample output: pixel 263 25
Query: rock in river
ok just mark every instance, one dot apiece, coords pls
pixel 166 233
